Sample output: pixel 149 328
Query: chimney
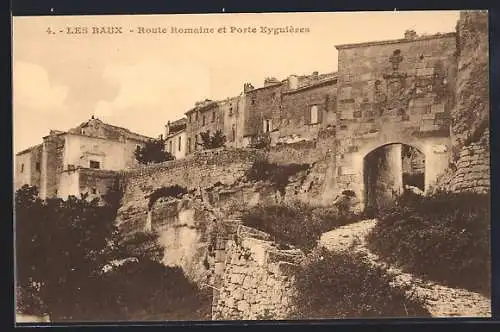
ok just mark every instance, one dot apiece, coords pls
pixel 315 75
pixel 167 129
pixel 247 87
pixel 410 34
pixel 293 82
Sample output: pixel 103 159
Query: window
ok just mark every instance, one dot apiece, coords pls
pixel 314 114
pixel 93 191
pixel 95 164
pixel 196 116
pixel 189 145
pixel 195 142
pixel 170 147
pixel 203 121
pixel 233 133
pixel 189 118
pixel 179 148
pixel 230 111
pixel 213 116
pixel 37 166
pixel 267 126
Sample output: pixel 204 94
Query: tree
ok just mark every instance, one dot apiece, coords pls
pixel 153 152
pixel 62 249
pixel 217 140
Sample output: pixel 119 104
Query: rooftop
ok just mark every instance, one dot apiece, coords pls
pixel 176 126
pixel 397 41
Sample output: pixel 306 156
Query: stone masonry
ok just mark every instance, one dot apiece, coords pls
pixel 257 279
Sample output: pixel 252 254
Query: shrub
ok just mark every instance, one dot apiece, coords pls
pixel 346 285
pixel 152 291
pixel 278 175
pixel 295 223
pixel 217 140
pixel 444 237
pixel 153 152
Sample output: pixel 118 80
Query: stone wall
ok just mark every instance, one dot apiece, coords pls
pixel 297 104
pixel 257 281
pixel 96 182
pixel 206 116
pixel 52 164
pixel 200 170
pixel 471 171
pixel 470 162
pixel 472 84
pixel 398 91
pixel 262 104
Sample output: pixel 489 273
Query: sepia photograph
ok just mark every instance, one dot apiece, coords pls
pixel 251 166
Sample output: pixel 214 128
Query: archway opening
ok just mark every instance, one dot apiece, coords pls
pixel 389 170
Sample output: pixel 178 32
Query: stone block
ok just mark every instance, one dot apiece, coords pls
pixel 243 306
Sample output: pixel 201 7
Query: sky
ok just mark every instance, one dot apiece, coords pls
pixel 141 81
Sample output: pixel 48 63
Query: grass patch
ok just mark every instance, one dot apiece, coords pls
pixel 345 285
pixel 296 223
pixel 444 237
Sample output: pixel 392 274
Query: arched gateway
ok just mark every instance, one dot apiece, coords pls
pixel 389 170
pixel 393 97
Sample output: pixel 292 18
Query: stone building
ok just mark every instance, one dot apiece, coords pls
pixel 81 160
pixel 291 109
pixel 232 110
pixel 391 94
pixel 175 138
pixel 205 117
pixel 262 113
pixel 308 104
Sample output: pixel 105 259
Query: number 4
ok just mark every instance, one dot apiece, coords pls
pixel 49 31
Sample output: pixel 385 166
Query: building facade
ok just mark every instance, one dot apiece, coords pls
pixel 206 117
pixel 393 94
pixel 176 138
pixel 81 160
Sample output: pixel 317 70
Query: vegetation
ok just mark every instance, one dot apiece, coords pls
pixel 278 175
pixel 444 237
pixel 72 264
pixel 345 285
pixel 170 191
pixel 153 152
pixel 261 142
pixel 217 140
pixel 296 223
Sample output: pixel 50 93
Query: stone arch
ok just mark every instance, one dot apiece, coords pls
pixel 388 170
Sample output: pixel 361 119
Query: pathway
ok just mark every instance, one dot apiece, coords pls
pixel 442 301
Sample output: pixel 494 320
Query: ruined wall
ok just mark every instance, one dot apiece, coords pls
pixel 296 121
pixel 470 163
pixel 257 280
pixel 198 170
